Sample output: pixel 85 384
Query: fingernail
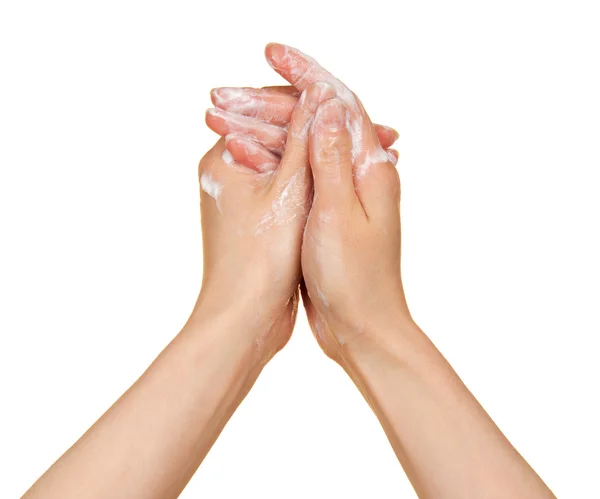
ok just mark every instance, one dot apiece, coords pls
pixel 332 115
pixel 393 158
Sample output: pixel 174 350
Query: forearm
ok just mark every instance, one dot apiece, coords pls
pixel 150 442
pixel 446 442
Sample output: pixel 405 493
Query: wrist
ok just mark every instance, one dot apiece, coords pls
pixel 368 316
pixel 389 340
pixel 248 327
pixel 219 336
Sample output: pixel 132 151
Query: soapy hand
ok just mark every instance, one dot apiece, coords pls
pixel 351 247
pixel 252 225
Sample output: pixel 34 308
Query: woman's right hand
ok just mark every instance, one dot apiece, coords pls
pixel 351 247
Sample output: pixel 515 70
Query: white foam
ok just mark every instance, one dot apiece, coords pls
pixel 227 157
pixel 287 206
pixel 356 122
pixel 213 188
pixel 239 100
pixel 322 297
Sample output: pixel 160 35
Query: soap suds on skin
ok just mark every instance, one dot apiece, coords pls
pixel 248 126
pixel 265 161
pixel 379 155
pixel 302 74
pixel 213 188
pixel 322 297
pixel 262 104
pixel 249 146
pixel 321 88
pixel 289 204
pixel 319 331
pixel 227 157
pixel 238 100
pixel 326 217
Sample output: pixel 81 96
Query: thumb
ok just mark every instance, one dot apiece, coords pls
pixel 295 157
pixel 330 146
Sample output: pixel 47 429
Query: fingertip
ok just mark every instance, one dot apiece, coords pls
pixel 393 131
pixel 250 154
pixel 214 96
pixel 393 155
pixel 275 54
pixel 224 97
pixel 331 117
pixel 220 95
pixel 209 116
pixel 388 134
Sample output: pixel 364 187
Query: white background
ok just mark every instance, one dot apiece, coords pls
pixel 101 128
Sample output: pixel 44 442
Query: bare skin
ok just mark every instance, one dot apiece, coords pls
pixel 353 294
pixel 301 193
pixel 150 442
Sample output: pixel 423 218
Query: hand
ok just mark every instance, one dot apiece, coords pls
pixel 252 225
pixel 351 247
pixel 260 117
pixel 254 121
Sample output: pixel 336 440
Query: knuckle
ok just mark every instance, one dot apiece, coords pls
pixel 206 164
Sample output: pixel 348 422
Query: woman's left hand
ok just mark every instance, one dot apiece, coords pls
pixel 252 227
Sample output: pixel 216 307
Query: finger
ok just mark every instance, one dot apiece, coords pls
pixel 387 136
pixel 331 153
pixel 295 158
pixel 250 154
pixel 270 136
pixel 393 155
pixel 301 70
pixel 283 89
pixel 275 107
pixel 265 105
